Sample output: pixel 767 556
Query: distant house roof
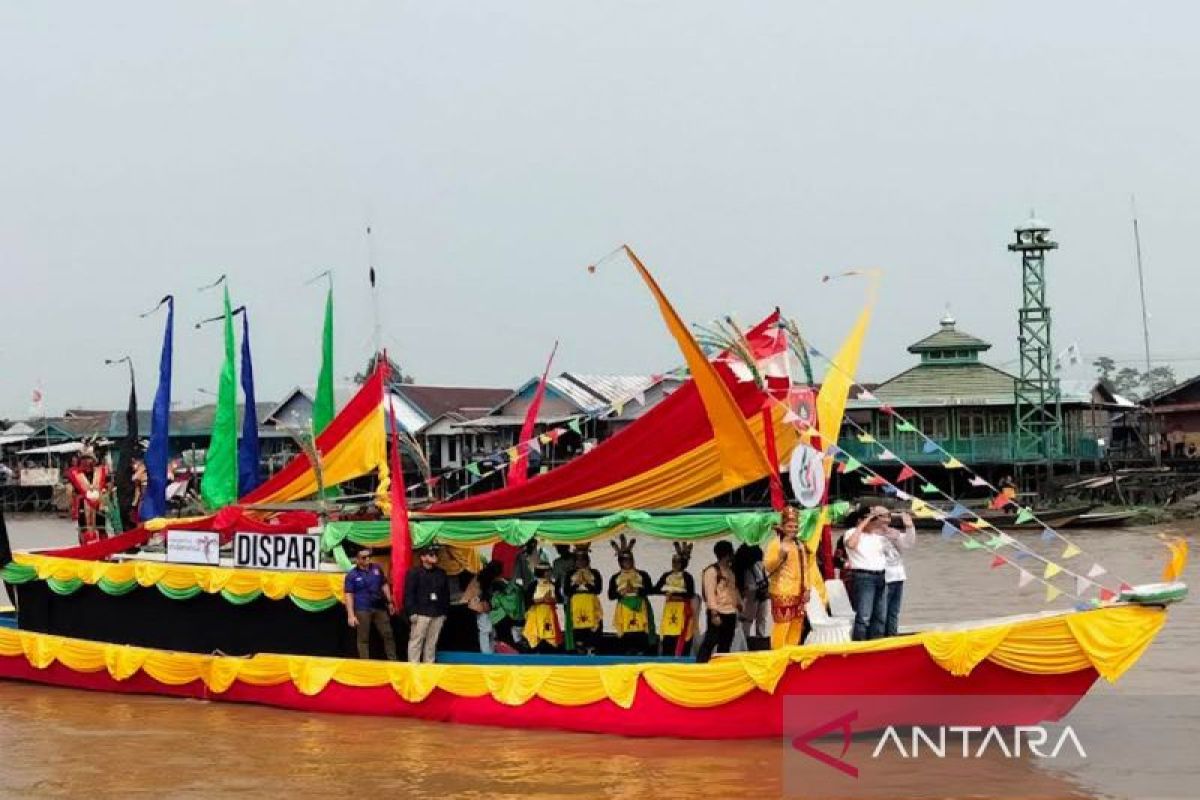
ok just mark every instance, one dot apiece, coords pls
pixel 433 401
pixel 949 384
pixel 948 337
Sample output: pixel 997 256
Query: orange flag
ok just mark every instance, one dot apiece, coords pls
pixel 742 457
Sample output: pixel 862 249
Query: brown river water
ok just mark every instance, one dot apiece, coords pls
pixel 60 742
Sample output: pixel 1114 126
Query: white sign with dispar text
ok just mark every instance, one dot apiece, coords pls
pixel 286 551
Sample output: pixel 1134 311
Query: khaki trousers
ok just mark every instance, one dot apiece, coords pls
pixel 423 638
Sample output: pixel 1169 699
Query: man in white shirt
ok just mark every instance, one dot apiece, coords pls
pixel 866 545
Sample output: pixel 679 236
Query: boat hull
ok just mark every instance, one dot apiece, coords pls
pixel 909 671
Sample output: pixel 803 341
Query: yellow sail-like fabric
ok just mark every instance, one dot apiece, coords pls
pixel 1108 639
pixel 740 454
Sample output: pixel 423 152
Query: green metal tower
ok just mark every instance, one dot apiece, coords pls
pixel 1039 428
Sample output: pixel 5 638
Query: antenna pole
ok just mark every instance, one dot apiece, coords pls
pixel 378 328
pixel 1137 244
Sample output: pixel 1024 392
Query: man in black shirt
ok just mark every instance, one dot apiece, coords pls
pixel 426 602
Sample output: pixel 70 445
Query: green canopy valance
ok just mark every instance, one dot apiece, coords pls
pixel 748 527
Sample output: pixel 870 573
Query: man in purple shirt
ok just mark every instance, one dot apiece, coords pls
pixel 369 601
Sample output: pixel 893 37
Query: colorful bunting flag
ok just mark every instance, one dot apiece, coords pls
pixel 967 527
pixel 887 455
pixel 544 438
pixel 866 438
pixel 903 495
pixel 1006 539
pixel 889 490
pixel 885 408
pixel 1081 585
pixel 1048 535
pixel 1052 592
pixel 1051 570
pixel 929 447
pixel 996 541
pixel 929 488
pixel 1025 579
pixel 949 531
pixel 618 407
pixel 952 463
pixel 865 395
pixel 998 561
pixel 873 480
pixel 906 473
pixel 959 511
pixel 575 424
pixel 1023 516
pixel 1071 551
pixel 1096 571
pixel 906 427
pixel 1125 587
pixel 473 468
pixel 432 482
pixel 851 463
pixel 1106 595
pixel 640 398
pixel 978 481
pixel 973 544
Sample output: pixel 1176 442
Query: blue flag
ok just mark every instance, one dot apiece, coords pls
pixel 959 511
pixel 154 503
pixel 949 531
pixel 930 446
pixel 249 476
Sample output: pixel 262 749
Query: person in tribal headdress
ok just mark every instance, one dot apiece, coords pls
pixel 633 620
pixel 786 561
pixel 679 613
pixel 584 616
pixel 543 633
pixel 89 479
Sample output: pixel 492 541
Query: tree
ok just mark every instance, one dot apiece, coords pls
pixel 396 373
pixel 1132 381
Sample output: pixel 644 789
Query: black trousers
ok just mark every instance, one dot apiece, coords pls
pixel 717 636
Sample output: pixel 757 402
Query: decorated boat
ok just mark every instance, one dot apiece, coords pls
pixel 118 615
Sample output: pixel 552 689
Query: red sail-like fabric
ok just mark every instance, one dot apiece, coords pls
pixel 518 471
pixel 674 426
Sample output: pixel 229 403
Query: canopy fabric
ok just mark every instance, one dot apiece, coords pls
pixel 746 527
pixel 1109 640
pixel 667 458
pixel 352 445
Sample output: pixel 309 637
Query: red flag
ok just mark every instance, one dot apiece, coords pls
pixel 400 535
pixel 518 469
pixel 778 500
pixel 1106 594
pixel 999 502
pixel 998 561
pixel 906 473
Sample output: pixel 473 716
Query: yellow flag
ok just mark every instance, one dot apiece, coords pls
pixel 512 453
pixel 1051 570
pixel 866 438
pixel 1052 592
pixel 1071 551
pixel 839 378
pixel 742 457
pixel 953 463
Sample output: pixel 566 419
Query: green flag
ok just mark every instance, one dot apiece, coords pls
pixel 851 464
pixel 574 424
pixel 218 486
pixel 323 403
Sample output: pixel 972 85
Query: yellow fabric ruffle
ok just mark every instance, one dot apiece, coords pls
pixel 1109 639
pixel 311 586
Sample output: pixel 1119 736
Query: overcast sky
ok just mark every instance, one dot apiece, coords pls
pixel 744 149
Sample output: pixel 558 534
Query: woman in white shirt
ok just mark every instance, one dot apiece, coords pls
pixel 893 574
pixel 866 545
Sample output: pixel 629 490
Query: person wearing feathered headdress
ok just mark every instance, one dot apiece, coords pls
pixel 633 620
pixel 584 617
pixel 679 589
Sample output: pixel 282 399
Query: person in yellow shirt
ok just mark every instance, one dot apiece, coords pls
pixel 582 588
pixel 543 633
pixel 633 620
pixel 679 589
pixel 786 581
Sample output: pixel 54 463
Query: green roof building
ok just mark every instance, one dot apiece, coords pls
pixel 967 407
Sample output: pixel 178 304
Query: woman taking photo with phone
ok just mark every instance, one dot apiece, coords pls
pixel 866 548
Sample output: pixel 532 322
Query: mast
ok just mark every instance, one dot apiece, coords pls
pixel 1137 245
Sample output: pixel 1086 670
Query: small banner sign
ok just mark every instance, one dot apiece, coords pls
pixel 194 547
pixel 277 551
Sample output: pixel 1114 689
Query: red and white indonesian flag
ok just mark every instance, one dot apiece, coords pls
pixel 770 349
